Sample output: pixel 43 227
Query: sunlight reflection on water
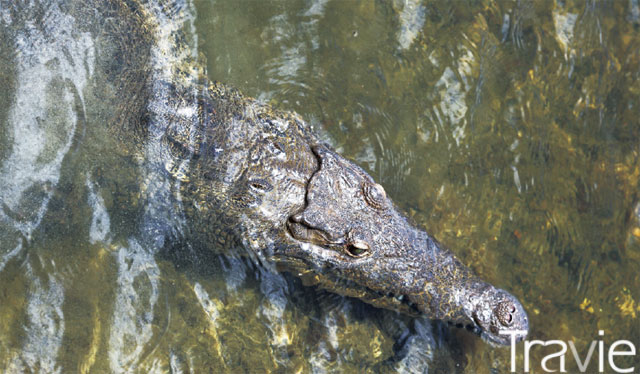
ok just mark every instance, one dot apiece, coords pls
pixel 510 131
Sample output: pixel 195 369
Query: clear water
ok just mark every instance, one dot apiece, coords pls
pixel 509 130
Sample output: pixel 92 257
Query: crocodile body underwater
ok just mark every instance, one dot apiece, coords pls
pixel 254 177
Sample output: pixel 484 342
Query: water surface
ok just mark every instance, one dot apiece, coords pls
pixel 509 130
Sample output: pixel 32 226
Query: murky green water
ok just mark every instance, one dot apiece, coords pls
pixel 509 130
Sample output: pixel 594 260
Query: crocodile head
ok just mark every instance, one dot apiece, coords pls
pixel 350 239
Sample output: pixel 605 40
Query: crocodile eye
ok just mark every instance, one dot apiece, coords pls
pixel 374 195
pixel 357 249
pixel 260 185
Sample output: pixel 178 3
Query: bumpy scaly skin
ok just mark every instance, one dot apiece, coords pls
pixel 256 178
pixel 353 232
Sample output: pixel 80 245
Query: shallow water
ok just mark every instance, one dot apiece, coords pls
pixel 509 130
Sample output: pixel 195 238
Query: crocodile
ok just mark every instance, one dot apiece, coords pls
pixel 257 180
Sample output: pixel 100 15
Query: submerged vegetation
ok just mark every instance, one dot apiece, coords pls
pixel 509 130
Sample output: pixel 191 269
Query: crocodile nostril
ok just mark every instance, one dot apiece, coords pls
pixel 505 313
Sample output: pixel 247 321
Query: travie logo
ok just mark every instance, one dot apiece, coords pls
pixel 605 356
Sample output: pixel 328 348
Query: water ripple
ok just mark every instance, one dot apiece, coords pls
pixel 136 299
pixel 45 327
pixel 53 67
